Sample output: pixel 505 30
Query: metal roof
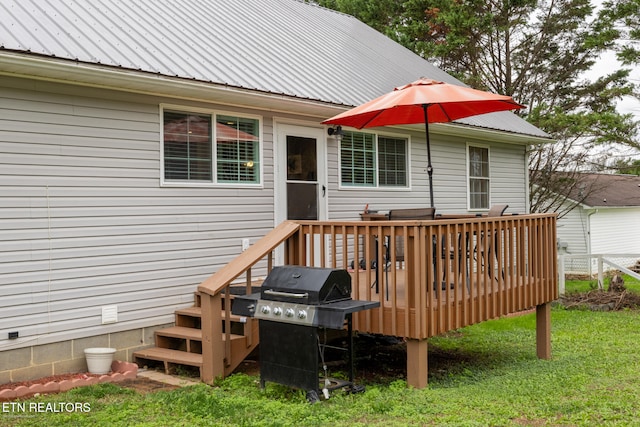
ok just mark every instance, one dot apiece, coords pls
pixel 284 47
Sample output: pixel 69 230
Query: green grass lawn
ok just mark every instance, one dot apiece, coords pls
pixel 484 375
pixel 631 283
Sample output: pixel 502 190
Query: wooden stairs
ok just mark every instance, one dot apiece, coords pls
pixel 181 345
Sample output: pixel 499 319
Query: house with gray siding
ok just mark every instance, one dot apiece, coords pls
pixel 603 218
pixel 144 144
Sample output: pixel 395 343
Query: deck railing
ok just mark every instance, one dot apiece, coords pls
pixel 429 276
pixel 433 276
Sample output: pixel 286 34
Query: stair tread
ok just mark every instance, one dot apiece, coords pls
pixel 181 332
pixel 190 311
pixel 169 355
pixel 197 312
pixel 190 333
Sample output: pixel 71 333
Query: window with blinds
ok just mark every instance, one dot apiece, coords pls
pixel 392 162
pixel 197 151
pixel 237 149
pixel 479 180
pixel 187 146
pixel 369 160
pixel 358 159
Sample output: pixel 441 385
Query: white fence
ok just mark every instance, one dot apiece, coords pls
pixel 603 263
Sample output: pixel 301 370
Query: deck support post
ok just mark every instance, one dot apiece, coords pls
pixel 543 330
pixel 417 368
pixel 212 345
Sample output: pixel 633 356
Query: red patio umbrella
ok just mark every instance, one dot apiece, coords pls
pixel 424 101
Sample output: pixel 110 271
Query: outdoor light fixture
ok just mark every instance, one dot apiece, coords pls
pixel 337 131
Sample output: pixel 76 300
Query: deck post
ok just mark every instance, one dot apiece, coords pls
pixel 417 368
pixel 212 346
pixel 543 330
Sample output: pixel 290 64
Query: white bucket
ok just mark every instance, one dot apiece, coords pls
pixel 99 359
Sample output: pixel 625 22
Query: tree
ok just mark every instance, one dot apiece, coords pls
pixel 627 167
pixel 536 51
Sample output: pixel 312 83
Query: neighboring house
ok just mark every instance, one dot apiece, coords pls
pixel 606 221
pixel 144 143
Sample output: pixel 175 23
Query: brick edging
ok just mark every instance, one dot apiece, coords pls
pixel 119 371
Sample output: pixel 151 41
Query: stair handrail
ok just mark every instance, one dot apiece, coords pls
pixel 216 353
pixel 218 281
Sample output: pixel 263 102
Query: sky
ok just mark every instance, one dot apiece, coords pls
pixel 627 105
pixel 604 66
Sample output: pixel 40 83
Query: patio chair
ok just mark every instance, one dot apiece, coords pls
pixel 497 210
pixel 494 211
pixel 395 215
pixel 407 214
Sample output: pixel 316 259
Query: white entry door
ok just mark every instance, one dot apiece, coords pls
pixel 301 173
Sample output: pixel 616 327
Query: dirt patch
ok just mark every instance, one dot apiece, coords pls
pixel 144 385
pixel 599 300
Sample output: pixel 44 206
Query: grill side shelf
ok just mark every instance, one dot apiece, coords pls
pixel 332 315
pixel 245 305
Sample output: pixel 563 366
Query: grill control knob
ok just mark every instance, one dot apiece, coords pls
pixel 265 309
pixel 302 314
pixel 277 311
pixel 290 312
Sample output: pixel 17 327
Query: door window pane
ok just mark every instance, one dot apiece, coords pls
pixel 302 163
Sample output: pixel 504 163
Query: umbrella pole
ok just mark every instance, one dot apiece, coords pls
pixel 429 166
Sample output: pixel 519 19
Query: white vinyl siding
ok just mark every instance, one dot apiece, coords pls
pixel 573 230
pixel 449 153
pixel 615 230
pixel 84 221
pixel 598 231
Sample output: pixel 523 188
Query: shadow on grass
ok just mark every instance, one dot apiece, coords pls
pixel 451 360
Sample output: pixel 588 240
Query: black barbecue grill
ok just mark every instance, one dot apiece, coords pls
pixel 294 304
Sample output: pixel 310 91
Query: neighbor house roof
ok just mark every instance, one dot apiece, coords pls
pixel 281 47
pixel 607 190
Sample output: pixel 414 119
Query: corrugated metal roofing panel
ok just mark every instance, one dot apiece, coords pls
pixel 279 46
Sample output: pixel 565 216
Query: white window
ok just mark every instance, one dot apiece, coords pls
pixel 370 160
pixel 213 148
pixel 479 178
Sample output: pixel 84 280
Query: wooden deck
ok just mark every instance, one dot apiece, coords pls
pixel 490 267
pixel 452 307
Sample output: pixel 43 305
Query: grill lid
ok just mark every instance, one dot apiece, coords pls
pixel 306 285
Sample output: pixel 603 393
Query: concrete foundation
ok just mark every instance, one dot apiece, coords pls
pixel 63 357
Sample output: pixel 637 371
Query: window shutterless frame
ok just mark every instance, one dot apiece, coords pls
pixel 370 160
pixel 203 147
pixel 478 177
